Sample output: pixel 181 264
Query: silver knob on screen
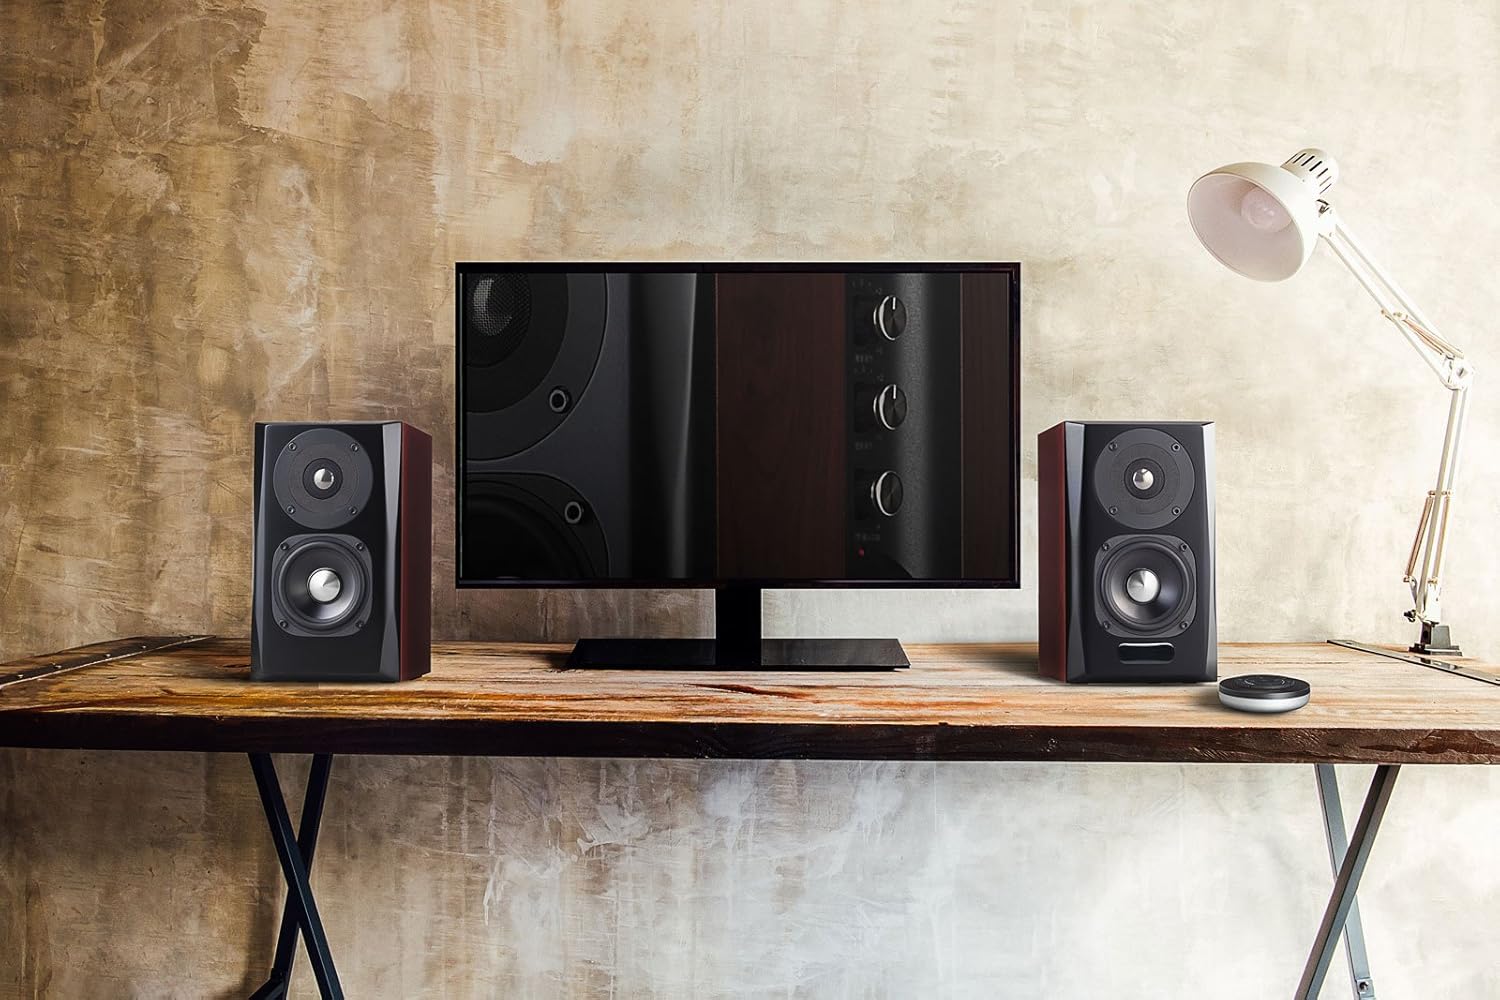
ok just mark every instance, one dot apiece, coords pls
pixel 323 478
pixel 890 407
pixel 1142 479
pixel 890 317
pixel 1142 586
pixel 886 493
pixel 324 584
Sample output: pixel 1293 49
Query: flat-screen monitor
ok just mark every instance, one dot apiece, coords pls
pixel 737 425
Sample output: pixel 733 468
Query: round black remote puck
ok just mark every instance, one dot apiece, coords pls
pixel 1264 693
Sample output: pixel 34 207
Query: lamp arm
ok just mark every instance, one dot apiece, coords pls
pixel 1424 564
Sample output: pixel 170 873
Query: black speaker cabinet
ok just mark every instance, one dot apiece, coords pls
pixel 343 552
pixel 1126 562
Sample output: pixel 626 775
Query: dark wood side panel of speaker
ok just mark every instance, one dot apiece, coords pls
pixel 1052 551
pixel 415 627
pixel 991 411
pixel 781 425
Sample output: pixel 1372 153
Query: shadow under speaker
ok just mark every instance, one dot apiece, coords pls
pixel 343 552
pixel 1126 552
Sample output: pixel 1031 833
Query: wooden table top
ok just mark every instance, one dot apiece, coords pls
pixel 957 702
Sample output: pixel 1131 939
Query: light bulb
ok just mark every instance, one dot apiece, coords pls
pixel 1263 212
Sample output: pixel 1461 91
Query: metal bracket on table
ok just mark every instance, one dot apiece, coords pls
pixel 1348 860
pixel 1432 663
pixel 296 855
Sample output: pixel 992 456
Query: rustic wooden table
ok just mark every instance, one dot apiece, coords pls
pixel 957 702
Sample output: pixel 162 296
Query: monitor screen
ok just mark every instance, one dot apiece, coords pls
pixel 781 425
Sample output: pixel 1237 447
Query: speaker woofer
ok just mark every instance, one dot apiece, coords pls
pixel 530 527
pixel 1146 584
pixel 530 344
pixel 321 584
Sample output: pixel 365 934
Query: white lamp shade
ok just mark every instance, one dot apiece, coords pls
pixel 1259 220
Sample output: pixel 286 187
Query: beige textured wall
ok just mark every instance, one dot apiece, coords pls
pixel 215 212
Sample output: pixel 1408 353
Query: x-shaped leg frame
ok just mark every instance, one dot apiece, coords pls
pixel 296 856
pixel 1348 860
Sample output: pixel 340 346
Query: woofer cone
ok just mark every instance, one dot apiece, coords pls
pixel 1147 584
pixel 530 372
pixel 514 326
pixel 321 583
pixel 530 527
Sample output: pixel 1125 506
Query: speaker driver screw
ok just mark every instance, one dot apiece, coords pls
pixel 1183 624
pixel 1114 510
pixel 354 447
pixel 360 546
pixel 558 400
pixel 1176 511
pixel 359 624
pixel 1176 447
pixel 353 510
pixel 284 546
pixel 291 510
pixel 573 512
pixel 282 623
pixel 1106 546
pixel 292 446
pixel 1113 446
pixel 1182 547
pixel 1107 625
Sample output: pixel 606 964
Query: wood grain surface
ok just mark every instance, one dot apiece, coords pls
pixel 782 426
pixel 958 702
pixel 991 418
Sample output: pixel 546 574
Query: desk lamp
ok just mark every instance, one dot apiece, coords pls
pixel 1263 222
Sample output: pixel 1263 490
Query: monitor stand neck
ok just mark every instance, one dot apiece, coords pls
pixel 737 626
pixel 737 645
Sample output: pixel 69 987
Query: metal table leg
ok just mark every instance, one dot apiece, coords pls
pixel 300 910
pixel 1338 845
pixel 1342 914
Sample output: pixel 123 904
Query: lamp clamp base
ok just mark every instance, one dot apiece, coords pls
pixel 1436 641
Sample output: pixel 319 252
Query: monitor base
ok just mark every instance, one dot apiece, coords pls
pixel 707 654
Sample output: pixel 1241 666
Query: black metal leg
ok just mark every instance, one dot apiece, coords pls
pixel 300 911
pixel 1351 866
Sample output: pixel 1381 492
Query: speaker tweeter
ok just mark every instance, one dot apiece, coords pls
pixel 1144 478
